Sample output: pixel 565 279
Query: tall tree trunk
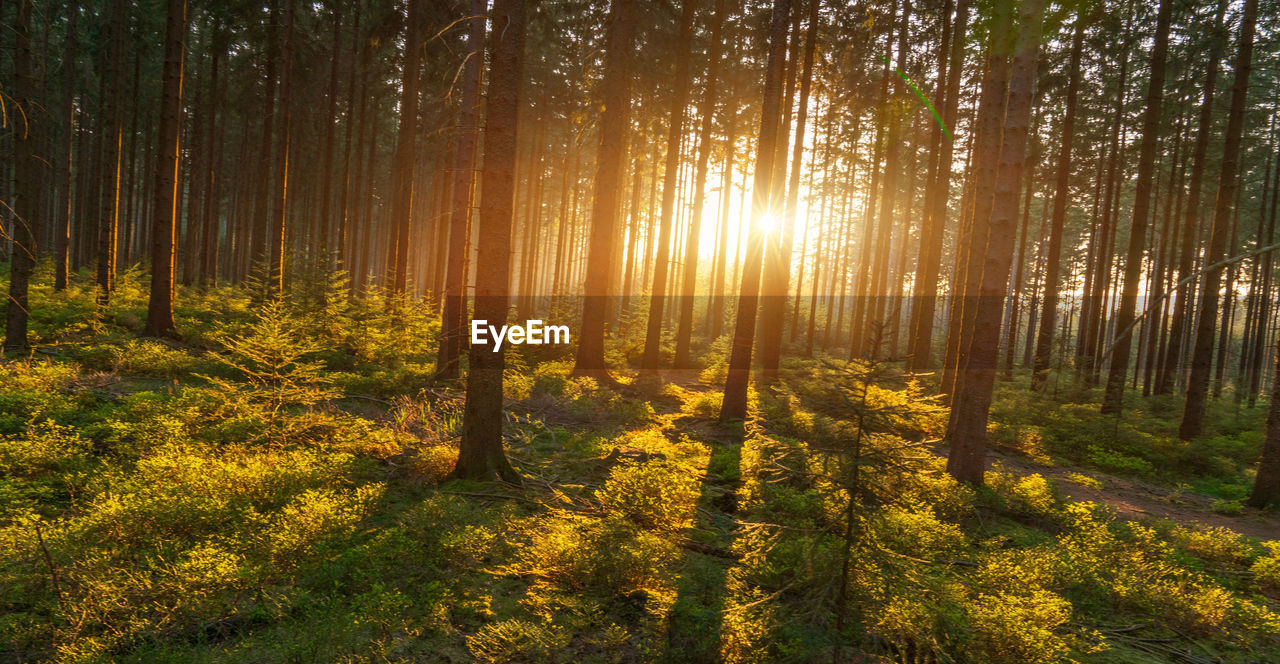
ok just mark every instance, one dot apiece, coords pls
pixel 934 225
pixel 670 174
pixel 451 336
pixel 976 375
pixel 324 249
pixel 165 200
pixel 1180 320
pixel 406 153
pixel 1266 487
pixel 25 218
pixel 1228 184
pixel 62 229
pixel 480 452
pixel 259 247
pixel 112 155
pixel 734 406
pixel 706 111
pixel 1113 398
pixel 1053 261
pixel 773 308
pixel 277 236
pixel 614 123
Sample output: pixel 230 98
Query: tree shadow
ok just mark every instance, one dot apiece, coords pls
pixel 696 619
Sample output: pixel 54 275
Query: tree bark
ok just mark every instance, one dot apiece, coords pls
pixel 734 406
pixel 1228 184
pixel 165 200
pixel 614 123
pixel 451 334
pixel 1113 397
pixel 480 453
pixel 976 374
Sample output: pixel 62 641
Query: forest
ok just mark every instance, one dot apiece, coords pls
pixel 893 331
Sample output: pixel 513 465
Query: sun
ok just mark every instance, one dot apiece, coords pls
pixel 768 223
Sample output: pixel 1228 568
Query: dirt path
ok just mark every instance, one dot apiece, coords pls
pixel 1138 500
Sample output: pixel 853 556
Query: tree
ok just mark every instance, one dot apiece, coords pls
pixel 1151 118
pixel 675 136
pixel 480 453
pixel 734 406
pixel 1228 185
pixel 773 308
pixel 165 200
pixel 1180 320
pixel 454 316
pixel 25 217
pixel 1266 487
pixel 976 374
pixel 615 119
pixel 62 230
pixel 1062 192
pixel 406 152
pixel 934 225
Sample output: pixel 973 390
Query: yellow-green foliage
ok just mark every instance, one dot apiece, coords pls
pixel 150 358
pixel 1214 544
pixel 519 641
pixel 610 556
pixel 1266 569
pixel 1030 494
pixel 656 495
pixel 1018 628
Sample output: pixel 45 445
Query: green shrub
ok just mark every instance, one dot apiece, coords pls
pixel 655 495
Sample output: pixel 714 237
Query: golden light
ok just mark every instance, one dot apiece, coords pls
pixel 768 223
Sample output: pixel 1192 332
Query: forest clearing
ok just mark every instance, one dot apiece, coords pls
pixel 898 331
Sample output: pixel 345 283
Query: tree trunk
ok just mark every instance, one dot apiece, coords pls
pixel 1228 184
pixel 25 219
pixel 1266 487
pixel 670 173
pixel 614 123
pixel 62 229
pixel 939 190
pixel 706 111
pixel 1113 398
pixel 734 406
pixel 165 201
pixel 976 374
pixel 1180 322
pixel 480 452
pixel 451 336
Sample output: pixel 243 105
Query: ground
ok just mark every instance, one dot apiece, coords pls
pixel 274 489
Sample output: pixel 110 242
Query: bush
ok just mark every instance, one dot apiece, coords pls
pixel 656 495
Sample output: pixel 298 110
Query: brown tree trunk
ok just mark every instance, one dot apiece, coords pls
pixel 706 111
pixel 480 452
pixel 614 122
pixel 1266 487
pixel 1053 261
pixel 939 189
pixel 451 334
pixel 773 308
pixel 165 201
pixel 976 375
pixel 734 406
pixel 1113 398
pixel 406 153
pixel 62 229
pixel 1228 184
pixel 25 219
pixel 671 171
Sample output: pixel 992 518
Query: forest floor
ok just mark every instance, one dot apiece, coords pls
pixel 275 489
pixel 1139 500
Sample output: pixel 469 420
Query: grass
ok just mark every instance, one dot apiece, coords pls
pixel 273 490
